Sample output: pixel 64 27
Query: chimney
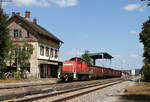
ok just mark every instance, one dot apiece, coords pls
pixel 18 13
pixel 34 20
pixel 27 14
pixel 13 13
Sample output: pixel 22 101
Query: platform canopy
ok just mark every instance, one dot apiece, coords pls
pixel 102 55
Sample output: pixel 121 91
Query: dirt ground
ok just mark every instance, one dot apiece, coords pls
pixel 140 92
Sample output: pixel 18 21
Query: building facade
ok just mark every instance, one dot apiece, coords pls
pixel 44 62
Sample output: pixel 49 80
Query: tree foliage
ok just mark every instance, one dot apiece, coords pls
pixel 145 39
pixel 5 41
pixel 86 57
pixel 148 4
pixel 20 55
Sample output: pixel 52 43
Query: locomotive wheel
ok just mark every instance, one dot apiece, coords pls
pixel 90 77
pixel 66 78
pixel 71 79
pixel 84 77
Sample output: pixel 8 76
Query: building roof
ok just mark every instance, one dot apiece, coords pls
pixel 102 55
pixel 34 27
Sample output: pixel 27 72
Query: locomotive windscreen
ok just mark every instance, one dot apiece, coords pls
pixel 79 59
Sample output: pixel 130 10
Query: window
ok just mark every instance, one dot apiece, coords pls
pixel 51 54
pixel 28 49
pixel 17 33
pixel 28 34
pixel 28 69
pixel 56 53
pixel 20 33
pixel 47 51
pixel 42 50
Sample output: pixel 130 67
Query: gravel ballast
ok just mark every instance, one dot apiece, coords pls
pixel 110 94
pixel 33 90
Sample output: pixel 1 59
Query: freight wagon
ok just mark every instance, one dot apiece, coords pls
pixel 77 69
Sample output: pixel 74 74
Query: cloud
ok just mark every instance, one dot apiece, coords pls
pixel 117 56
pixel 132 7
pixel 134 55
pixel 4 4
pixel 64 3
pixel 46 3
pixel 40 3
pixel 141 45
pixel 142 9
pixel 133 32
pixel 74 52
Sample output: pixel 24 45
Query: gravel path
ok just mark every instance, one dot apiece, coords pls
pixel 110 94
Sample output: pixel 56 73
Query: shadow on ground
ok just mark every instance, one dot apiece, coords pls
pixel 135 98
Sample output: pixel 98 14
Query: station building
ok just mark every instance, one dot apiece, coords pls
pixel 44 62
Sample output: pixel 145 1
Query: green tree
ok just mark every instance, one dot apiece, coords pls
pixel 87 57
pixel 148 4
pixel 145 39
pixel 5 41
pixel 20 55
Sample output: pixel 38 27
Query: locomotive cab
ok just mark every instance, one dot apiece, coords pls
pixel 74 69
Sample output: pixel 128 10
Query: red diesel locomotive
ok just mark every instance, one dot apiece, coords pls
pixel 77 69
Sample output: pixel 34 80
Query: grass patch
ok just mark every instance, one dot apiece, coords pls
pixel 140 92
pixel 139 88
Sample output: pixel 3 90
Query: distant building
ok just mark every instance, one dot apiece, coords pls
pixel 133 72
pixel 137 71
pixel 44 60
pixel 128 71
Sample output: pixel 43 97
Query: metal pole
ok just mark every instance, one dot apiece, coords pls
pixel 103 59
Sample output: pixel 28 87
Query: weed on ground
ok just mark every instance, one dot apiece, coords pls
pixel 140 92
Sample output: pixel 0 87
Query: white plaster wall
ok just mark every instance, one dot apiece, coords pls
pixel 14 25
pixel 34 67
pixel 47 57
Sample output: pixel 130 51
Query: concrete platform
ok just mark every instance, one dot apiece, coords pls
pixel 26 83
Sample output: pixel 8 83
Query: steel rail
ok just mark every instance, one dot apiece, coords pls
pixel 83 93
pixel 47 89
pixel 68 91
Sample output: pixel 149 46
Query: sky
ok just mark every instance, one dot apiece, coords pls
pixel 111 26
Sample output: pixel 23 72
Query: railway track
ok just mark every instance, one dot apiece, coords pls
pixel 61 96
pixel 15 93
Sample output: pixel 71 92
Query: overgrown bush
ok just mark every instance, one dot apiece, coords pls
pixel 16 75
pixel 2 75
pixel 146 72
pixel 145 39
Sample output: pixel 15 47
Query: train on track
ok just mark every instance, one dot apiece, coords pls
pixel 77 69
